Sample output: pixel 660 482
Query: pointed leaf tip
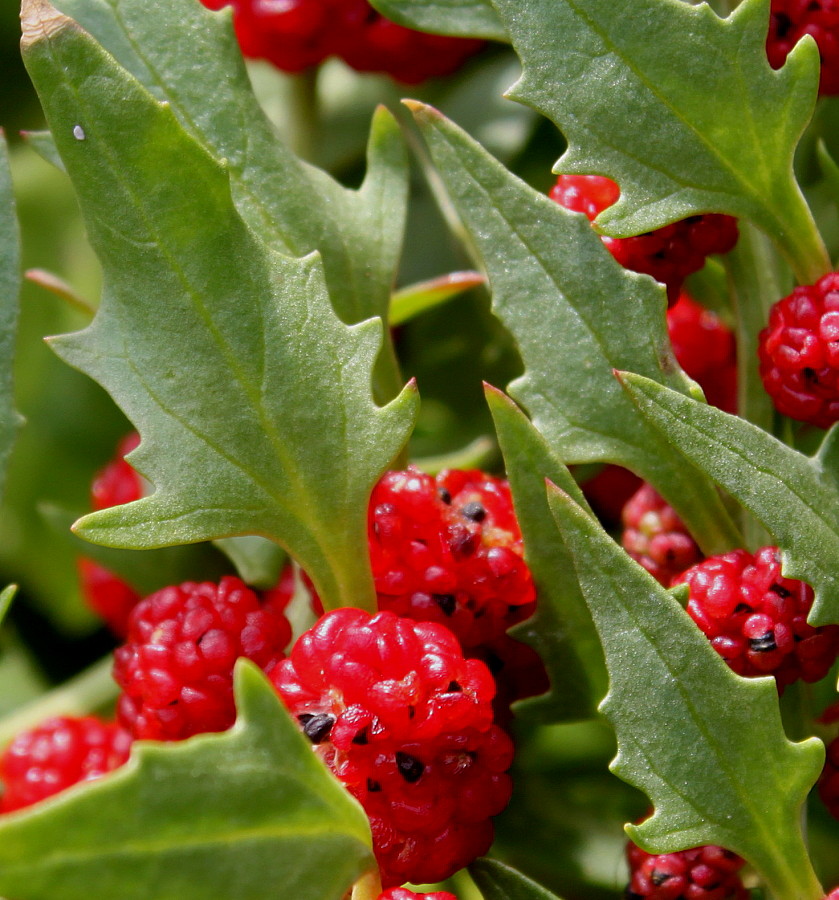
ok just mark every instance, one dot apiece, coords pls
pixel 40 20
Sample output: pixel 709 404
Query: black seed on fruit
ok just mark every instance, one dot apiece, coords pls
pixel 411 712
pixel 444 495
pixel 463 544
pixel 763 644
pixel 316 727
pixel 361 737
pixel 446 602
pixel 475 512
pixel 741 608
pixel 410 768
pixel 373 786
pixel 658 878
pixel 780 590
pixel 810 375
pixel 454 686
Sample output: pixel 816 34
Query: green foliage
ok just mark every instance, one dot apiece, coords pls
pixel 272 820
pixel 213 343
pixel 500 882
pixel 464 18
pixel 705 745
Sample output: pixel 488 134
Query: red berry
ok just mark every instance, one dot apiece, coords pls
pixel 655 536
pixel 176 666
pixel 704 873
pixel 297 34
pixel 449 550
pixel 668 254
pixel 799 353
pixel 756 619
pixel 829 780
pixel 833 895
pixel 106 593
pixel 609 491
pixel 399 893
pixel 56 755
pixel 704 347
pixel 790 20
pixel 405 722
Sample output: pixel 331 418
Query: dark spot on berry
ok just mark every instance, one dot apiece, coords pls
pixel 474 511
pixel 411 712
pixel 316 727
pixel 810 375
pixel 361 738
pixel 658 878
pixel 742 608
pixel 783 23
pixel 373 786
pixel 454 687
pixel 446 602
pixel 444 495
pixel 763 644
pixel 463 543
pixel 780 590
pixel 410 768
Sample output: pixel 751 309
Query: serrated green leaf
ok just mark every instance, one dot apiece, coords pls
pixel 252 398
pixel 249 814
pixel 656 66
pixel 575 314
pixel 705 745
pixel 561 631
pixel 9 291
pixel 416 299
pixel 189 57
pixel 501 882
pixel 459 18
pixel 795 496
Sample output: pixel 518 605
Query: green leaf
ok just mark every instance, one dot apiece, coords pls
pixel 257 561
pixel 273 822
pixel 415 299
pixel 705 745
pixel 9 291
pixel 500 882
pixel 189 57
pixel 591 71
pixel 575 314
pixel 561 631
pixel 43 144
pixel 6 597
pixel 795 496
pixel 459 18
pixel 252 398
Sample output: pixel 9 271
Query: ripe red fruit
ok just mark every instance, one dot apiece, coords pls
pixel 449 550
pixel 176 667
pixel 790 20
pixel 704 873
pixel 668 254
pixel 399 893
pixel 57 754
pixel 756 619
pixel 799 353
pixel 704 347
pixel 405 722
pixel 297 34
pixel 656 537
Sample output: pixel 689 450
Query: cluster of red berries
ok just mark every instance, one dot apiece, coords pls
pixel 756 619
pixel 668 254
pixel 704 873
pixel 790 20
pixel 296 34
pixel 654 536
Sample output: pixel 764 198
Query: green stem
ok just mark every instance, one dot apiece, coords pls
pixel 800 241
pixel 477 455
pixel 91 690
pixel 788 884
pixel 304 113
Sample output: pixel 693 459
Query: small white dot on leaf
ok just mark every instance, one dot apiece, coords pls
pixel 78 132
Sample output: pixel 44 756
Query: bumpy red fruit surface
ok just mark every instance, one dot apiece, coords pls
pixel 654 536
pixel 756 619
pixel 176 667
pixel 59 753
pixel 704 347
pixel 790 20
pixel 670 253
pixel 399 893
pixel 799 353
pixel 296 34
pixel 449 550
pixel 106 593
pixel 829 780
pixel 405 722
pixel 704 873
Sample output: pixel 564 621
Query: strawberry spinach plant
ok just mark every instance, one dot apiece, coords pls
pixel 280 323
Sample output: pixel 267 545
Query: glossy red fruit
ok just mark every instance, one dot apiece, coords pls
pixel 668 254
pixel 449 550
pixel 799 353
pixel 704 873
pixel 790 20
pixel 176 667
pixel 654 536
pixel 59 753
pixel 705 348
pixel 405 722
pixel 756 619
pixel 399 893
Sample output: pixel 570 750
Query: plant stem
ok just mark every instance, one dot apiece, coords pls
pixel 800 241
pixel 304 113
pixel 87 692
pixel 368 887
pixel 785 884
